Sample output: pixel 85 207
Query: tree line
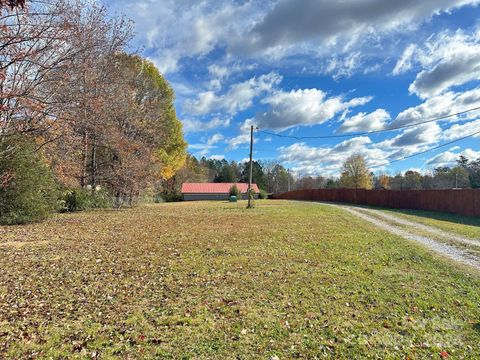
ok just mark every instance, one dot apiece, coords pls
pixel 97 120
pixel 356 175
pixel 272 177
pixel 464 175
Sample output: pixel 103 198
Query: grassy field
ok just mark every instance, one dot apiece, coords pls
pixel 462 225
pixel 217 281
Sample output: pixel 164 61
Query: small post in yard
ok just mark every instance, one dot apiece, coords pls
pixel 251 169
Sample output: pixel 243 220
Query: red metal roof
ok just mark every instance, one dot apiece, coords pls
pixel 214 188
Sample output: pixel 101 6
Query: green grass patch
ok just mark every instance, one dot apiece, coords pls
pixel 213 280
pixel 461 225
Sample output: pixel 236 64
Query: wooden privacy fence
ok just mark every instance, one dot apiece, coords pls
pixel 461 202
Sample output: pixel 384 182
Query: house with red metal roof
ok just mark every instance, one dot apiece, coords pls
pixel 213 191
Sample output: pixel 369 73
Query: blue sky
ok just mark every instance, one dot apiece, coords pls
pixel 316 68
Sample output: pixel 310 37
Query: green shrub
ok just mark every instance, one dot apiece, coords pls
pixel 28 191
pixel 101 199
pixel 235 192
pixel 175 197
pixel 262 194
pixel 84 199
pixel 76 200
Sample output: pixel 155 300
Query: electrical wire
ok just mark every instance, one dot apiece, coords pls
pixel 399 159
pixel 428 150
pixel 369 132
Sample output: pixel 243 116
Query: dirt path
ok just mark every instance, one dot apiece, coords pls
pixel 452 252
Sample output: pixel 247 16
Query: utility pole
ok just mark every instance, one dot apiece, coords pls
pixel 251 169
pixel 288 179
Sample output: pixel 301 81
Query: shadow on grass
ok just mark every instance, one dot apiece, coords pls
pixel 458 219
pixel 453 218
pixel 477 326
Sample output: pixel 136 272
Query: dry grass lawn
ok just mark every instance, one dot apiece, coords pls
pixel 216 281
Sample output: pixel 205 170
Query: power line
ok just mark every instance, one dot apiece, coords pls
pixel 396 160
pixel 428 150
pixel 370 132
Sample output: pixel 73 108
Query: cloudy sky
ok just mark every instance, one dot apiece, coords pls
pixel 319 68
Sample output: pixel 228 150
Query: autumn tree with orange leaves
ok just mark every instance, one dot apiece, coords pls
pixel 101 117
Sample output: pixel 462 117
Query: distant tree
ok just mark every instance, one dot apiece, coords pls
pixel 428 182
pixel 355 173
pixel 473 170
pixel 258 177
pixel 474 173
pixel 397 182
pixel 211 168
pixel 226 173
pixel 281 179
pixel 382 182
pixel 460 177
pixel 276 177
pixel 447 178
pixel 463 161
pixel 442 178
pixel 331 184
pixel 236 170
pixel 192 171
pixel 305 183
pixel 412 180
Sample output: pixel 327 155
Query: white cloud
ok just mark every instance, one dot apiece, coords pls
pixel 239 97
pixel 243 138
pixel 303 107
pixel 421 135
pixel 376 120
pixel 172 30
pixel 204 148
pixel 217 157
pixel 224 71
pixel 449 158
pixel 333 22
pixel 409 142
pixel 309 160
pixel 195 125
pixel 220 73
pixel 215 139
pixel 246 160
pixel 447 60
pixel 328 160
pixel 344 67
pixel 405 62
pixel 236 141
pixel 442 105
pixel 457 131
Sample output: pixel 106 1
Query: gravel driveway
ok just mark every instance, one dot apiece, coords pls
pixel 408 230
